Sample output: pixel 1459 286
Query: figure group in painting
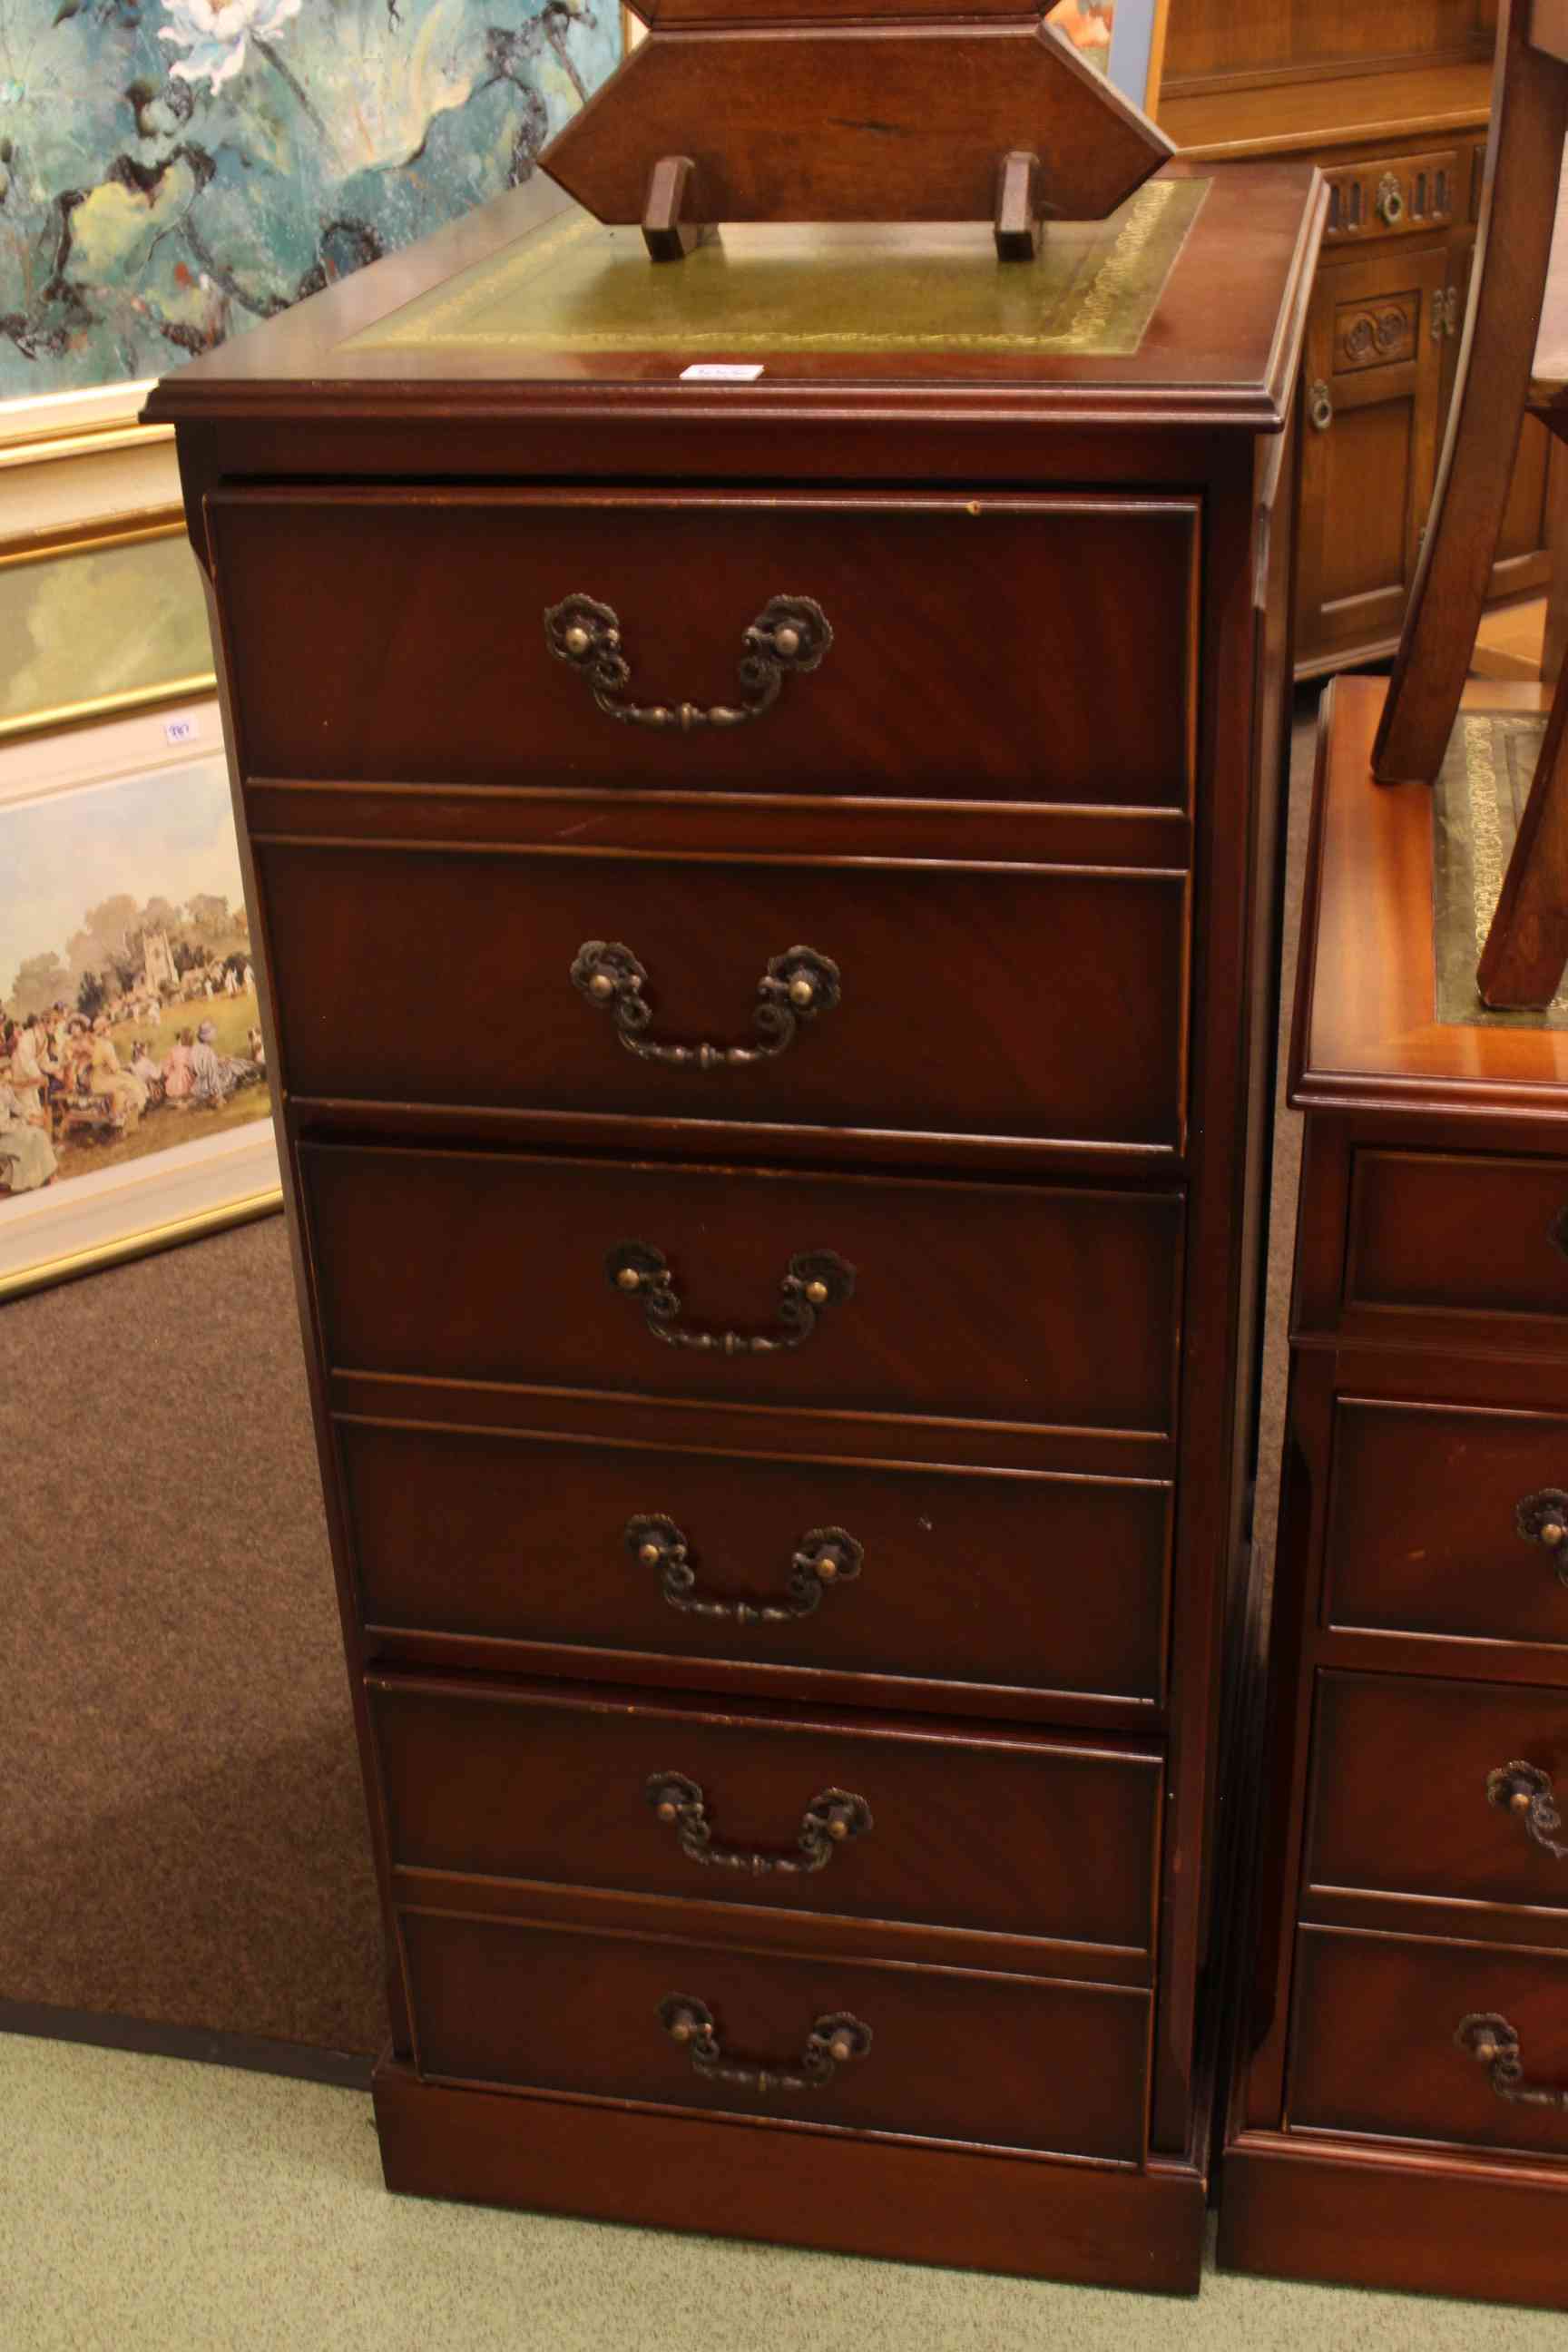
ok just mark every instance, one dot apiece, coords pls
pixel 64 1080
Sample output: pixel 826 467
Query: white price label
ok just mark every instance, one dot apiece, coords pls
pixel 721 371
pixel 181 731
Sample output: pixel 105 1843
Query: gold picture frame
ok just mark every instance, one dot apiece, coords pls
pixel 200 1182
pixel 93 527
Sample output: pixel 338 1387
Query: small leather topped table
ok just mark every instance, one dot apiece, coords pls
pixel 1399 2113
pixel 759 780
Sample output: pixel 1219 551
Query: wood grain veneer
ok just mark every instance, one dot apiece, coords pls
pixel 1027 805
pixel 1420 1643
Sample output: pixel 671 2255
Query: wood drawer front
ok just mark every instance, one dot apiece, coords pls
pixel 1397 196
pixel 940 681
pixel 961 1577
pixel 1423 1536
pixel 1020 1302
pixel 1401 1805
pixel 995 1001
pixel 1439 1231
pixel 1006 1834
pixel 1009 2062
pixel 1375 2050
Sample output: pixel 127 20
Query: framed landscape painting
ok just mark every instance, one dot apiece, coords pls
pixel 134 1108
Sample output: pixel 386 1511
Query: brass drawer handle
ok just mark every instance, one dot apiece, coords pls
pixel 833 2042
pixel 789 634
pixel 796 987
pixel 1492 2042
pixel 824 1556
pixel 1542 1518
pixel 1526 1790
pixel 832 1819
pixel 817 1279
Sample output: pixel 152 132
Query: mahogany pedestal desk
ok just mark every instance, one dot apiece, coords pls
pixel 1399 2113
pixel 775 1176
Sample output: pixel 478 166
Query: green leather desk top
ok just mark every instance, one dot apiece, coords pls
pixel 1481 791
pixel 577 286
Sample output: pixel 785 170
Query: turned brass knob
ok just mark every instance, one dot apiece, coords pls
pixel 628 1278
pixel 841 2048
pixel 667 1809
pixel 1520 1801
pixel 838 1825
pixel 787 640
pixel 650 1554
pixel 577 640
pixel 601 985
pixel 682 2029
pixel 801 989
pixel 817 1293
pixel 826 1568
pixel 1553 1533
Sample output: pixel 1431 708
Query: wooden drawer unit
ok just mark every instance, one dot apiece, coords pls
pixel 917 692
pixel 597 1557
pixel 766 894
pixel 610 968
pixel 942 2053
pixel 1442 1523
pixel 1458 1234
pixel 1008 1835
pixel 1392 2032
pixel 1399 2103
pixel 1022 1284
pixel 1440 1790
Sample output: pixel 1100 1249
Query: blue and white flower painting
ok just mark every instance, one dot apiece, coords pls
pixel 172 171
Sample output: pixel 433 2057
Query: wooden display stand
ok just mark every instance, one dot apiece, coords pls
pixel 987 117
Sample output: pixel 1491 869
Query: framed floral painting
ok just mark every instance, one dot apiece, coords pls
pixel 173 171
pixel 134 1107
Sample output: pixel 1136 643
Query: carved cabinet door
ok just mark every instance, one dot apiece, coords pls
pixel 1375 343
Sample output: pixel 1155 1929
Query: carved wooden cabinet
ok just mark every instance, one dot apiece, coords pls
pixel 1399 2107
pixel 766 889
pixel 1393 104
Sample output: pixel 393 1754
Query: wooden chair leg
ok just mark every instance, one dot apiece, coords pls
pixel 1527 946
pixel 1513 250
pixel 1554 644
